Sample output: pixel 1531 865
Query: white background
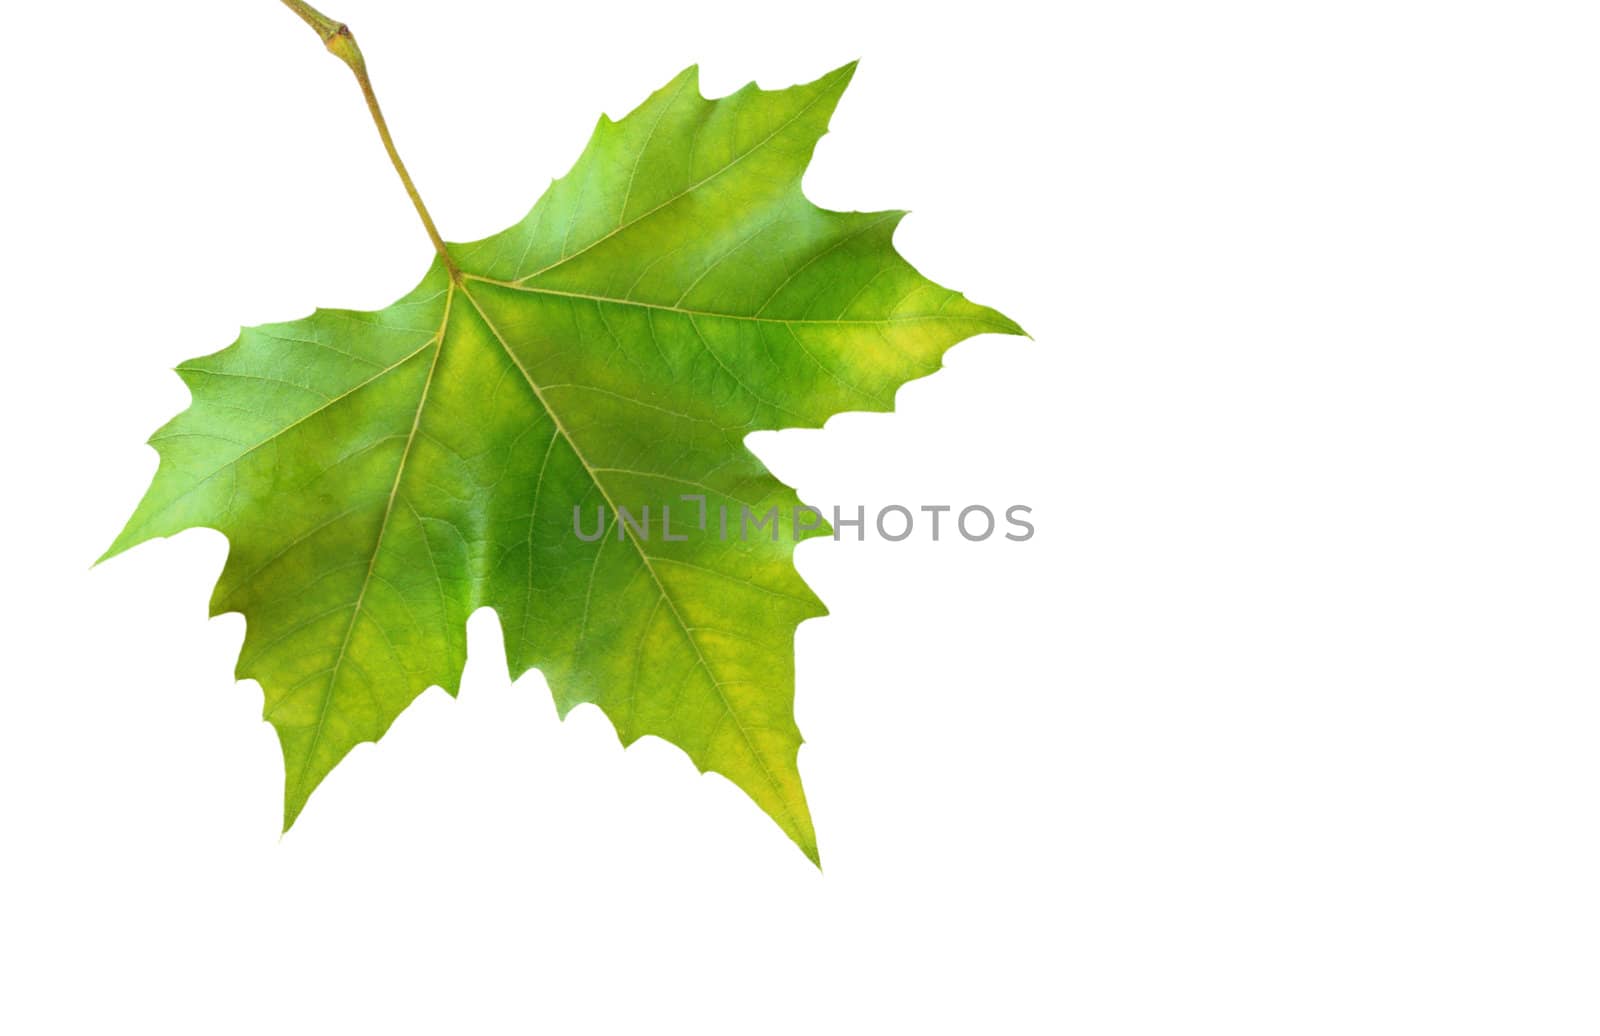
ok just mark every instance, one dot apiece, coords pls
pixel 1285 722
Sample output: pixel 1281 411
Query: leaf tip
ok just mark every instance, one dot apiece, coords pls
pixel 689 77
pixel 843 74
pixel 125 539
pixel 294 802
pixel 110 553
pixel 1010 327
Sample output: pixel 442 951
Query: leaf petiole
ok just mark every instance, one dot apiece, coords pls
pixel 336 36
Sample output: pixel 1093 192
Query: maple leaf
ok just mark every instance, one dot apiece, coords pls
pixel 381 475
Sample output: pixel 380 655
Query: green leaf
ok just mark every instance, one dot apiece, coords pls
pixel 380 475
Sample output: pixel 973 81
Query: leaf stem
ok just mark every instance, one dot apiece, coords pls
pixel 336 36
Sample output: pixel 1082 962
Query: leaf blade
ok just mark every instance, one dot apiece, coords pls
pixel 381 475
